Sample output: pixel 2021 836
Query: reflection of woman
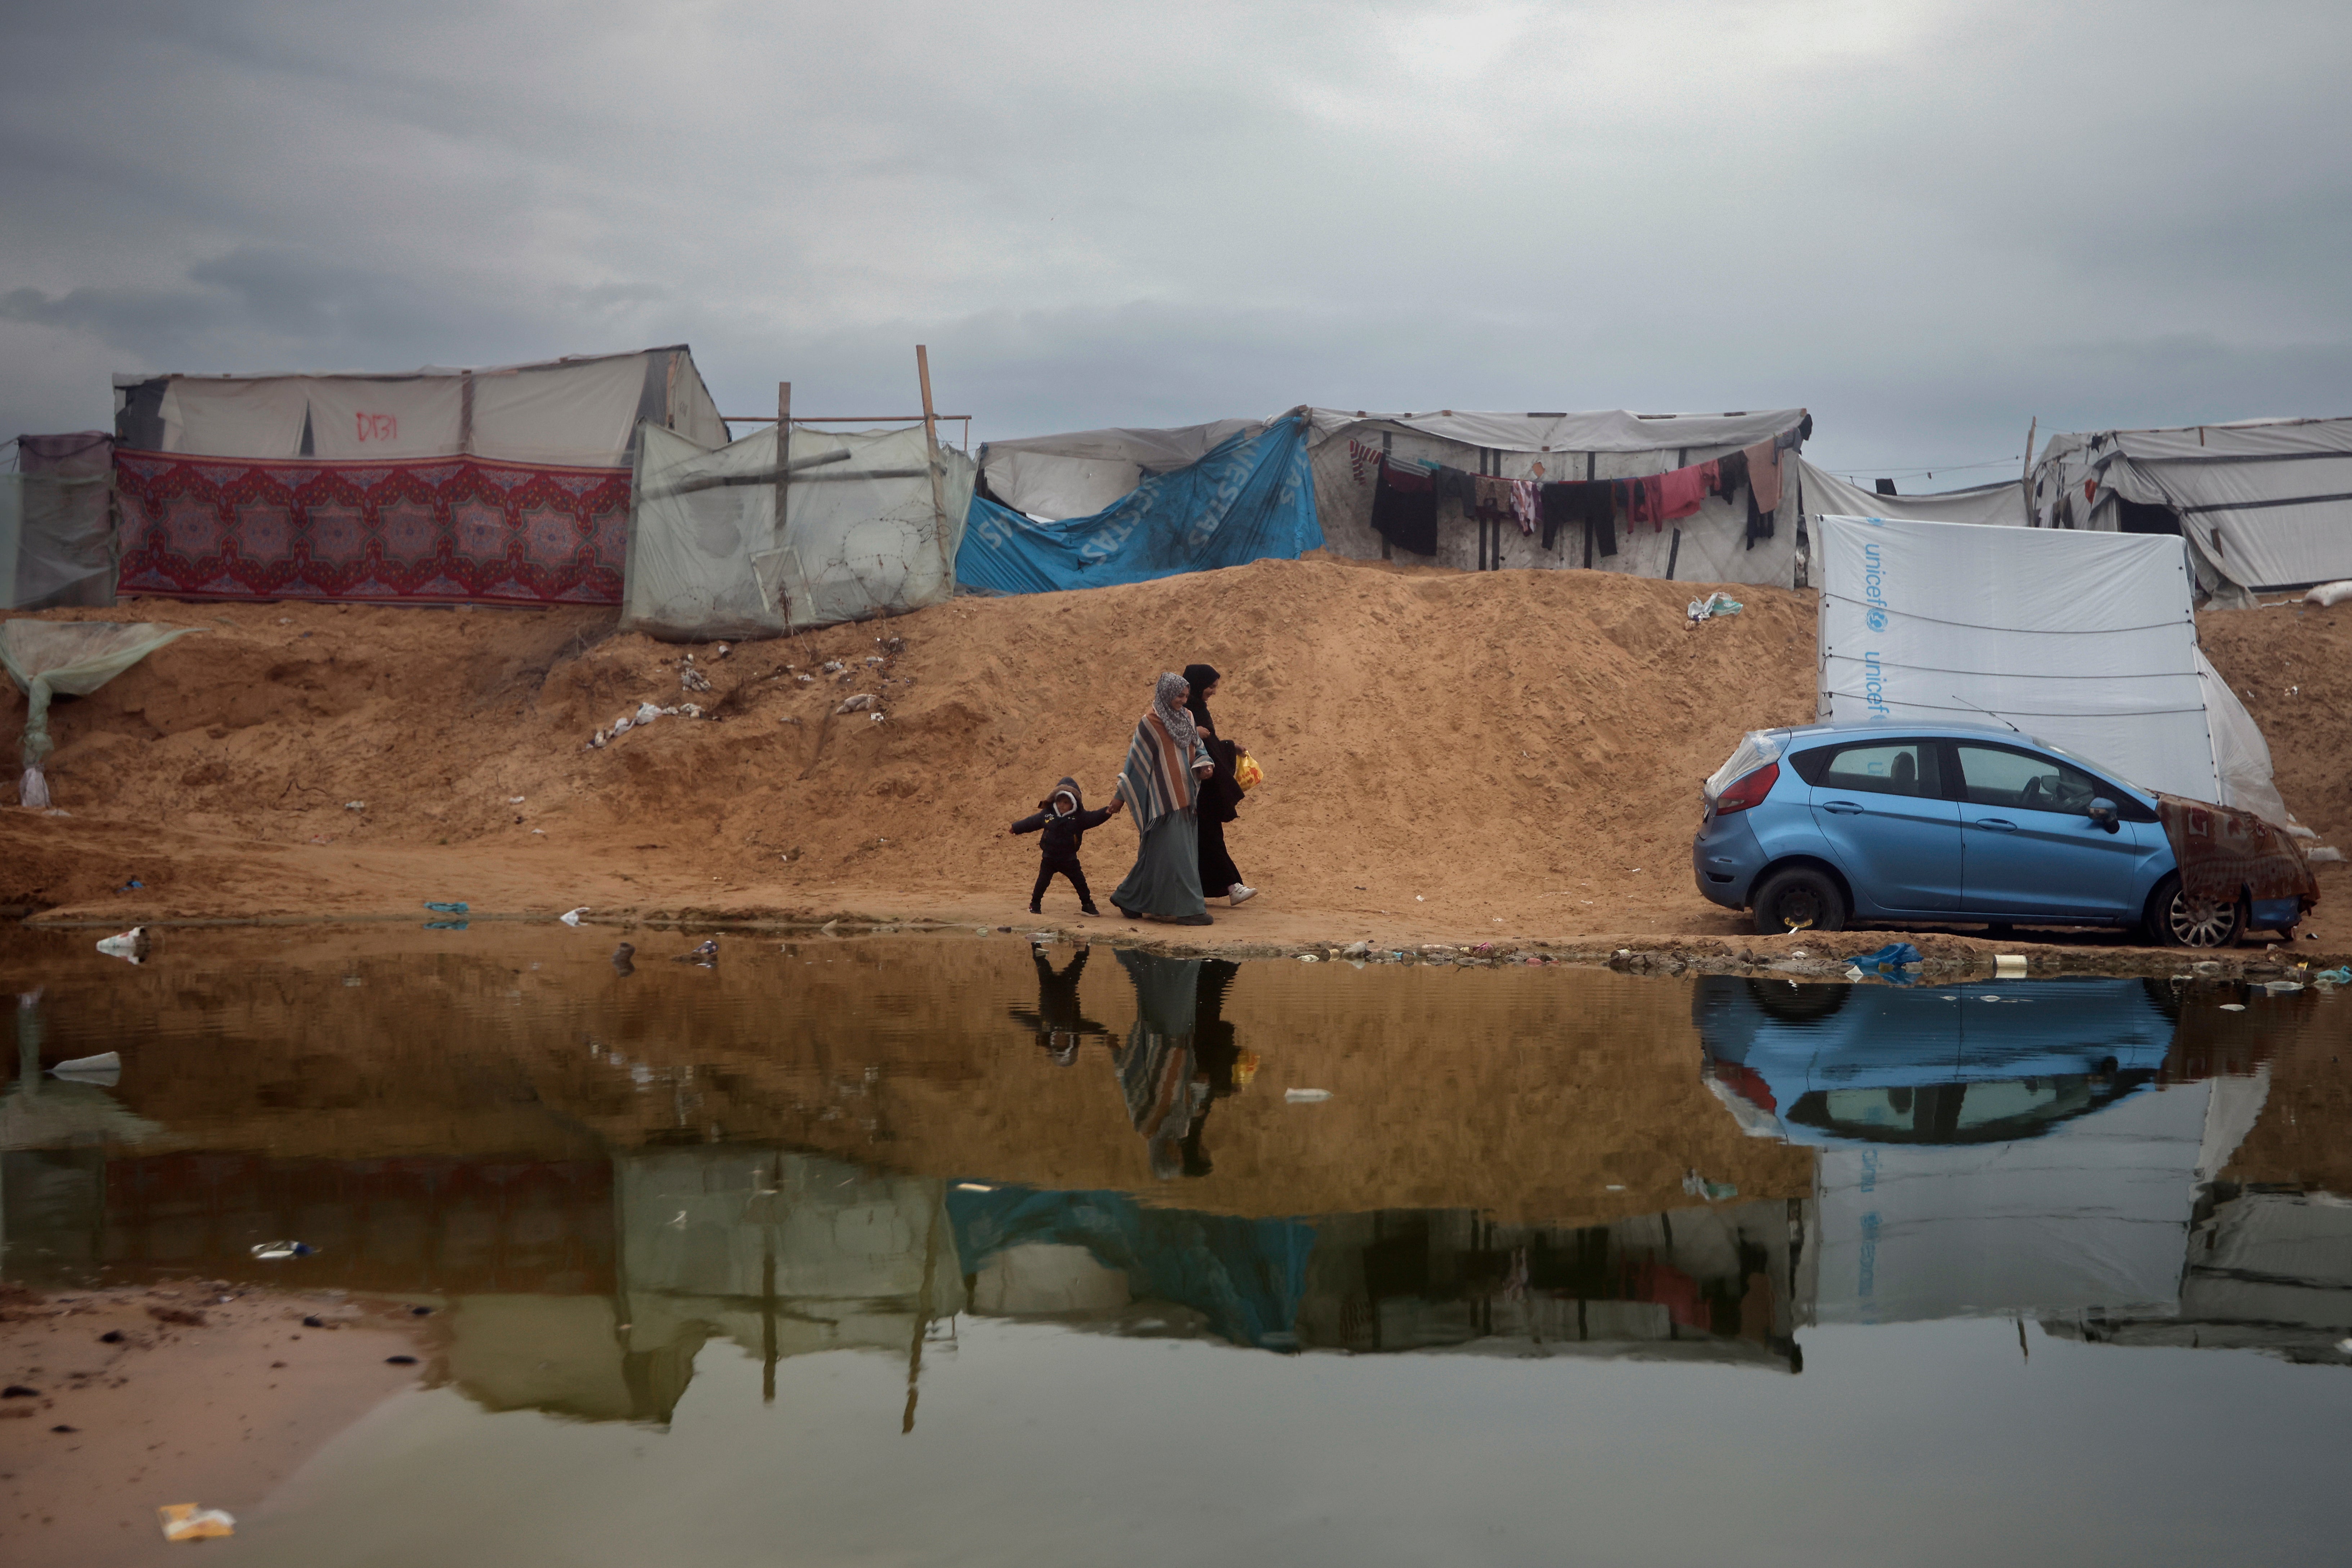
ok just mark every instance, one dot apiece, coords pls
pixel 1221 796
pixel 1165 764
pixel 1156 1065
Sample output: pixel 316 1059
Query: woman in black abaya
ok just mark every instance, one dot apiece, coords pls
pixel 1221 796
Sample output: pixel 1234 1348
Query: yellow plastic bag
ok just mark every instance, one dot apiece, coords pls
pixel 1247 773
pixel 191 1521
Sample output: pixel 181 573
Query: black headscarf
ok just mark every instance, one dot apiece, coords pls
pixel 1200 677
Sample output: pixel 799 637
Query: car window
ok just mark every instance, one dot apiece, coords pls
pixel 1884 768
pixel 2020 781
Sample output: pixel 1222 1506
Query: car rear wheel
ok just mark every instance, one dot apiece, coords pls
pixel 2176 920
pixel 1799 899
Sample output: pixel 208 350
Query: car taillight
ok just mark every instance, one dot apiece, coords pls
pixel 1748 791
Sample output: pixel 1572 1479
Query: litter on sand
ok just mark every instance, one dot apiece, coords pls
pixel 2234 1007
pixel 191 1521
pixel 572 916
pixel 271 1251
pixel 2005 963
pixel 1306 1096
pixel 1697 1186
pixel 447 908
pixel 1712 606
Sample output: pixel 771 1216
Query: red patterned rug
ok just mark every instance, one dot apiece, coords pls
pixel 441 530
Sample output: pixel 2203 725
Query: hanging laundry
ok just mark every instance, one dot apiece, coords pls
pixel 1759 524
pixel 1404 508
pixel 1680 491
pixel 1764 476
pixel 1494 497
pixel 1363 462
pixel 1710 477
pixel 1526 505
pixel 1731 473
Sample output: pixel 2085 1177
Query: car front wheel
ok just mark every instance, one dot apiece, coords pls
pixel 1799 899
pixel 2179 921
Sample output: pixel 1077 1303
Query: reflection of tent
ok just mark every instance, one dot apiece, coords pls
pixel 2087 642
pixel 872 521
pixel 1245 1275
pixel 2263 505
pixel 493 485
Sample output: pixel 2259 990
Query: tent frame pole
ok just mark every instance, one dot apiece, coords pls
pixel 931 452
pixel 783 483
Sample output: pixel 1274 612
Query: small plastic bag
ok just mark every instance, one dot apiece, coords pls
pixel 1247 773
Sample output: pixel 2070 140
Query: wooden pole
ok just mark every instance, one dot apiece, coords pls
pixel 938 487
pixel 783 487
pixel 2025 480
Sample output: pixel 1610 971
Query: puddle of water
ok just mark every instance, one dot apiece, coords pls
pixel 943 1250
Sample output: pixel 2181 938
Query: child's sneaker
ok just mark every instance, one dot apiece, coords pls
pixel 1090 909
pixel 1241 894
pixel 1034 910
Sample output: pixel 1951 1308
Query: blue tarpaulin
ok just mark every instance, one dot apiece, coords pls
pixel 1246 1276
pixel 1251 498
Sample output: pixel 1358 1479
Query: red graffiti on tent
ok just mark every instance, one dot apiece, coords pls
pixel 377 426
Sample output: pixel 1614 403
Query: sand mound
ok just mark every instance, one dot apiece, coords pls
pixel 1512 753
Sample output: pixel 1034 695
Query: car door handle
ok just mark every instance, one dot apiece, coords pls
pixel 1997 824
pixel 1843 808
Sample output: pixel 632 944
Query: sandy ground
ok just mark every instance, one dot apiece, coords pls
pixel 210 1394
pixel 1451 757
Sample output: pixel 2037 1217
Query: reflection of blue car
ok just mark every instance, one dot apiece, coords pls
pixel 1978 1063
pixel 1954 823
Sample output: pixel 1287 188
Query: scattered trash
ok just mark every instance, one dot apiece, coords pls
pixel 132 945
pixel 514 799
pixel 447 908
pixel 1697 1186
pixel 356 805
pixel 1853 972
pixel 2282 988
pixel 2339 976
pixel 400 1361
pixel 2234 1007
pixel 445 925
pixel 133 885
pixel 858 703
pixel 835 667
pixel 112 1336
pixel 1306 1096
pixel 105 1067
pixel 1712 606
pixel 2322 854
pixel 1356 950
pixel 2007 963
pixel 273 1252
pixel 706 955
pixel 188 1521
pixel 2327 594
pixel 1416 898
pixel 877 716
pixel 690 679
pixel 572 916
pixel 314 1322
pixel 1894 956
pixel 647 712
pixel 973 1187
pixel 1309 958
pixel 18 1391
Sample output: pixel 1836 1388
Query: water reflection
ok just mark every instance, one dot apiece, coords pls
pixel 1598 1167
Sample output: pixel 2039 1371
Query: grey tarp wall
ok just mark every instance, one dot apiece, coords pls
pixel 2265 504
pixel 57 523
pixel 1079 473
pixel 1709 546
pixel 1827 496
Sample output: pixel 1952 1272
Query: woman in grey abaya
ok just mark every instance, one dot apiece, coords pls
pixel 1166 762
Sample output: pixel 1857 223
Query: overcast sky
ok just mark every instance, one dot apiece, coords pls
pixel 1925 222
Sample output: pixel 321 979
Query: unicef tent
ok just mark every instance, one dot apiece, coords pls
pixel 2001 505
pixel 1248 498
pixel 2086 641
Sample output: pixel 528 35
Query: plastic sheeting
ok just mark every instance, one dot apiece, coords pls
pixel 2086 642
pixel 862 535
pixel 2266 505
pixel 1071 476
pixel 1606 430
pixel 1251 498
pixel 57 523
pixel 69 658
pixel 579 412
pixel 1826 494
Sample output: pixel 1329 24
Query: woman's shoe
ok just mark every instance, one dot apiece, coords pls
pixel 1200 919
pixel 1125 913
pixel 1242 895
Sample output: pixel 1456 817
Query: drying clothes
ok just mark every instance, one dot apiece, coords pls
pixel 1494 497
pixel 1680 491
pixel 1759 524
pixel 1525 503
pixel 1404 508
pixel 1587 507
pixel 1363 462
pixel 1649 498
pixel 1710 477
pixel 1730 473
pixel 1764 476
pixel 1456 486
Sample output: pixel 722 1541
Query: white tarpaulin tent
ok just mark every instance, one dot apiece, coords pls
pixel 2087 642
pixel 575 413
pixel 868 532
pixel 1079 473
pixel 2265 504
pixel 1827 496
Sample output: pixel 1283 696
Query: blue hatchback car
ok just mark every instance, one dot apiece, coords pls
pixel 1953 824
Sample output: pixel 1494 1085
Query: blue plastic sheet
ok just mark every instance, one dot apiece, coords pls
pixel 1247 1276
pixel 1251 498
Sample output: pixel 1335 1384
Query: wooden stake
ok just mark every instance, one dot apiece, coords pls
pixel 2025 489
pixel 938 489
pixel 783 484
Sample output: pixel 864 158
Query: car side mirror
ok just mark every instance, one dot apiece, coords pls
pixel 2103 812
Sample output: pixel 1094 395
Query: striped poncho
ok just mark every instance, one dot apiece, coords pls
pixel 1158 777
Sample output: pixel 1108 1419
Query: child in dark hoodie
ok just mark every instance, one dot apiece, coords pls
pixel 1064 819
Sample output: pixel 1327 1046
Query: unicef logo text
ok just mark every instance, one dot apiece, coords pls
pixel 1878 620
